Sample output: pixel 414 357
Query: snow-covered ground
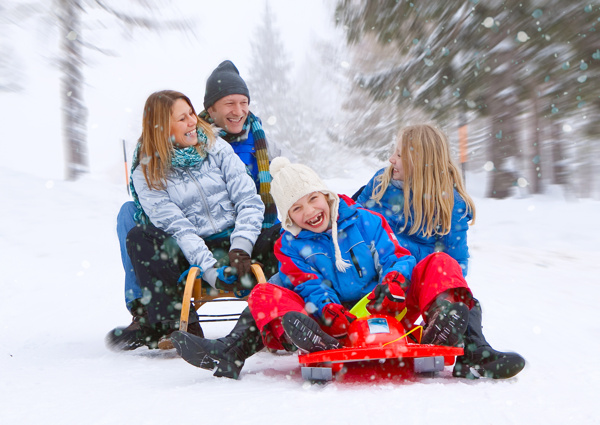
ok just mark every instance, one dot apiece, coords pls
pixel 535 267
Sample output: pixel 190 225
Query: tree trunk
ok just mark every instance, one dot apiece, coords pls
pixel 559 162
pixel 74 112
pixel 501 144
pixel 535 163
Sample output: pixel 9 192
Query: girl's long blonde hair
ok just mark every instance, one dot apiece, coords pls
pixel 430 177
pixel 156 148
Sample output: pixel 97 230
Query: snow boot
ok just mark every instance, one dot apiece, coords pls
pixel 131 337
pixel 137 334
pixel 141 333
pixel 447 324
pixel 481 357
pixel 226 356
pixel 306 334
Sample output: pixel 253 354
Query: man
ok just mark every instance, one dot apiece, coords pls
pixel 226 102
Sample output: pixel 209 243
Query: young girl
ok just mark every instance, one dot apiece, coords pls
pixel 331 255
pixel 423 198
pixel 202 209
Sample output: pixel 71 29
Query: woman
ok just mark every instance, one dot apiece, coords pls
pixel 423 197
pixel 202 209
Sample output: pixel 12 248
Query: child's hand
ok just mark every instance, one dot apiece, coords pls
pixel 337 320
pixel 388 297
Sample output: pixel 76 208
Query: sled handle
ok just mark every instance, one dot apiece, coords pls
pixel 360 309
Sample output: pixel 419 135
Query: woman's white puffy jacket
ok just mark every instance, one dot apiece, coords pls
pixel 204 200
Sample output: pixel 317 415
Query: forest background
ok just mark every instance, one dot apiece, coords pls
pixel 514 83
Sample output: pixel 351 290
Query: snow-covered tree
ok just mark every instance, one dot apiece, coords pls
pixel 498 61
pixel 69 17
pixel 273 96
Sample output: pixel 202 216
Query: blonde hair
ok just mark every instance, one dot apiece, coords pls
pixel 156 148
pixel 430 177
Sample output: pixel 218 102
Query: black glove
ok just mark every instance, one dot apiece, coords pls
pixel 240 261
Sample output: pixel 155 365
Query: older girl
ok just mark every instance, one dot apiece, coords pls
pixel 423 197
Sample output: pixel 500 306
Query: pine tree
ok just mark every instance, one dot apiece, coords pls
pixel 272 96
pixel 67 16
pixel 495 60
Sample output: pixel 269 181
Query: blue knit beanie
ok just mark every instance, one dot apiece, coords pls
pixel 223 81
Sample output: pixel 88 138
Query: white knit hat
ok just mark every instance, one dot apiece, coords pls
pixel 293 181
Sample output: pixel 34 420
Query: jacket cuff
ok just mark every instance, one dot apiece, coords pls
pixel 243 244
pixel 210 277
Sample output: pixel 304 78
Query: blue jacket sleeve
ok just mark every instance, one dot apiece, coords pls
pixel 365 195
pixel 299 276
pixel 455 242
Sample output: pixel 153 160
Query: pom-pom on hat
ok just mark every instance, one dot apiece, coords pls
pixel 223 81
pixel 293 181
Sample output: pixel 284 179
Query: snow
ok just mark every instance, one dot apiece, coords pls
pixel 535 262
pixel 534 267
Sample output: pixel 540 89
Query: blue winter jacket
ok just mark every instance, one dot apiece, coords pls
pixel 392 208
pixel 307 261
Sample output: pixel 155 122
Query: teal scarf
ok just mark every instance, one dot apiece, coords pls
pixel 182 158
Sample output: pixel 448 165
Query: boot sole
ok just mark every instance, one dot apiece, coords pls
pixel 449 329
pixel 165 343
pixel 306 334
pixel 192 352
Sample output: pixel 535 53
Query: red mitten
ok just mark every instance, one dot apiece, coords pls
pixel 388 297
pixel 337 320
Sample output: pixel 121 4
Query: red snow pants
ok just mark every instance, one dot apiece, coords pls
pixel 436 274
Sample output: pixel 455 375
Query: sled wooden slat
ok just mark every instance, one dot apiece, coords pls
pixel 196 295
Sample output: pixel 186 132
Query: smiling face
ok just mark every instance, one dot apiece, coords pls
pixel 396 161
pixel 230 112
pixel 183 124
pixel 311 212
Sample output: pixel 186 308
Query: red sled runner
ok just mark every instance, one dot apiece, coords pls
pixel 377 347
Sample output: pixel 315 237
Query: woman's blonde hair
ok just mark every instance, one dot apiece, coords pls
pixel 156 148
pixel 430 177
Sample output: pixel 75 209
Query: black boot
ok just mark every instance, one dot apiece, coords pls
pixel 480 356
pixel 226 356
pixel 137 334
pixel 306 334
pixel 142 333
pixel 447 324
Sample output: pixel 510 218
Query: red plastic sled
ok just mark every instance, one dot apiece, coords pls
pixel 378 347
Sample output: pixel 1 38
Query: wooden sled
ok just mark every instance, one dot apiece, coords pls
pixel 196 294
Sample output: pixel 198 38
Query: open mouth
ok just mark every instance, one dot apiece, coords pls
pixel 191 133
pixel 316 221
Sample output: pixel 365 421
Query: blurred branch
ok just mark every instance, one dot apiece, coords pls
pixel 147 23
